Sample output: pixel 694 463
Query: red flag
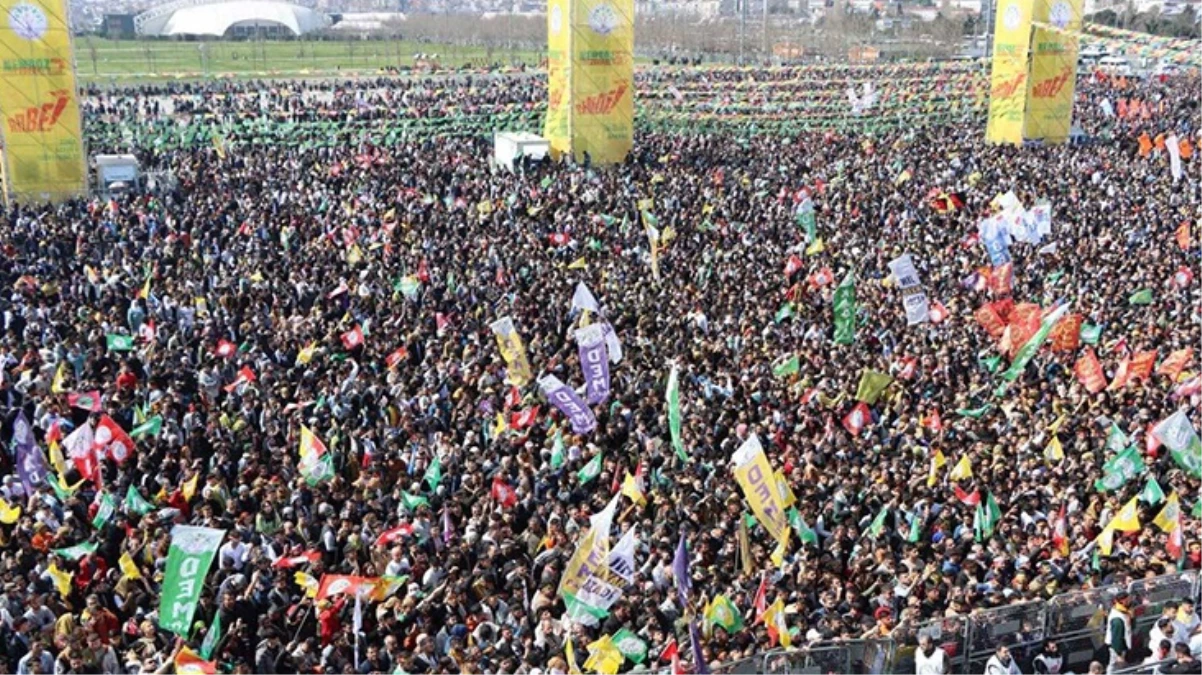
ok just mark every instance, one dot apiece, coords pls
pixel 857 419
pixel 821 278
pixel 148 332
pixel 1175 545
pixel 909 365
pixel 933 421
pixel 1151 442
pixel 1089 372
pixel 245 377
pixel 225 349
pixel 352 338
pixel 287 563
pixel 938 312
pixel 87 465
pixel 524 418
pixel 988 317
pixel 1060 531
pixel 503 493
pixel 339 584
pixel 398 355
pixel 513 397
pixel 423 272
pixel 88 400
pixel 558 239
pixel 389 537
pixel 1001 279
pixel 441 321
pixel 1122 375
pixel 761 599
pixel 792 265
pixel 1183 277
pixel 1183 235
pixel 112 440
pixel 1142 364
pixel 968 499
pixel 1066 336
pixel 1175 363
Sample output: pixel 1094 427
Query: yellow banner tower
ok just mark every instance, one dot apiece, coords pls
pixel 1034 71
pixel 590 70
pixel 39 104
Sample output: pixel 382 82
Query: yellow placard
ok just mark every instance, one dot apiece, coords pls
pixel 602 77
pixel 39 104
pixel 1053 77
pixel 1008 82
pixel 755 475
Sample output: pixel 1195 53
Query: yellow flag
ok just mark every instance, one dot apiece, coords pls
pixel 630 488
pixel 355 255
pixel 778 555
pixel 787 497
pixel 256 276
pixel 604 656
pixel 1169 518
pixel 816 247
pixel 937 463
pixel 570 654
pixel 962 470
pixel 500 427
pixel 59 462
pixel 1054 452
pixel 60 373
pixel 1055 426
pixel 308 583
pixel 306 355
pixel 128 567
pixel 189 487
pixel 872 383
pixel 1105 540
pixel 62 580
pixel 9 514
pixel 578 264
pixel 774 619
pixel 1127 519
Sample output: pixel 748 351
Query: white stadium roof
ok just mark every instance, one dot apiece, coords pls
pixel 215 17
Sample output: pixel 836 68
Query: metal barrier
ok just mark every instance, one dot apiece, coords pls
pixel 948 634
pixel 1021 627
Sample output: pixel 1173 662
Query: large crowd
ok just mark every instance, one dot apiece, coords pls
pixel 347 291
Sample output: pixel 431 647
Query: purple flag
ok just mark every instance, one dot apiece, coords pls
pixel 699 665
pixel 595 363
pixel 569 403
pixel 680 570
pixel 31 463
pixel 448 532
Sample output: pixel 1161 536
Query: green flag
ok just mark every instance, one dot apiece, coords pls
pixel 674 413
pixel 408 285
pixel 1141 297
pixel 433 474
pixel 722 612
pixel 104 511
pixel 580 611
pixel 750 521
pixel 59 491
pixel 591 470
pixel 320 470
pixel 1028 350
pixel 119 343
pixel 976 413
pixel 188 560
pixel 212 637
pixel 135 503
pixel 878 524
pixel 787 367
pixel 915 529
pixel 1196 511
pixel 872 384
pixel 808 220
pixel 151 427
pixel 1090 334
pixel 1116 440
pixel 631 646
pixel 1120 469
pixel 558 455
pixel 845 311
pixel 412 502
pixel 990 363
pixel 985 519
pixel 1152 494
pixel 786 311
pixel 77 551
pixel 804 532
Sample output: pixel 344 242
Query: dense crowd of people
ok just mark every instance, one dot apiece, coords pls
pixel 348 292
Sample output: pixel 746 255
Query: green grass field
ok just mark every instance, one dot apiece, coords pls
pixel 98 59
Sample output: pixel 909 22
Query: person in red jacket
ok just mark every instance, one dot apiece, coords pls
pixel 328 618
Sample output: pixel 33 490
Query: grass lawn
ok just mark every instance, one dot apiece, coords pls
pixel 99 59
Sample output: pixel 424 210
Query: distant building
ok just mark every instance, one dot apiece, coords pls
pixel 118 26
pixel 230 18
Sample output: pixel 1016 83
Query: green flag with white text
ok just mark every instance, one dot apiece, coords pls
pixel 674 413
pixel 134 502
pixel 188 561
pixel 105 510
pixel 590 471
pixel 433 474
pixel 845 311
pixel 119 343
pixel 632 646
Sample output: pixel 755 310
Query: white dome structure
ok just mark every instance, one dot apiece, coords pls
pixel 228 17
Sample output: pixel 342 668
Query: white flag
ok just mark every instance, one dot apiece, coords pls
pixel 583 299
pixel 621 558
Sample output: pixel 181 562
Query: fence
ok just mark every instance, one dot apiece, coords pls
pixel 1076 620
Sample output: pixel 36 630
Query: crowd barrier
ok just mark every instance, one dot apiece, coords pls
pixel 1075 620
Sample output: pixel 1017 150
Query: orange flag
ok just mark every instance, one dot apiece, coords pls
pixel 1159 142
pixel 1089 372
pixel 1145 145
pixel 1176 362
pixel 1187 150
pixel 1183 235
pixel 1066 336
pixel 1142 364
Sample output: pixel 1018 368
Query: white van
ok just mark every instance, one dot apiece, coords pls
pixel 1115 65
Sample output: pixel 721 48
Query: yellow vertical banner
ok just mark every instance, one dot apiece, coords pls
pixel 754 474
pixel 1008 82
pixel 556 127
pixel 1053 78
pixel 39 104
pixel 602 79
pixel 512 350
